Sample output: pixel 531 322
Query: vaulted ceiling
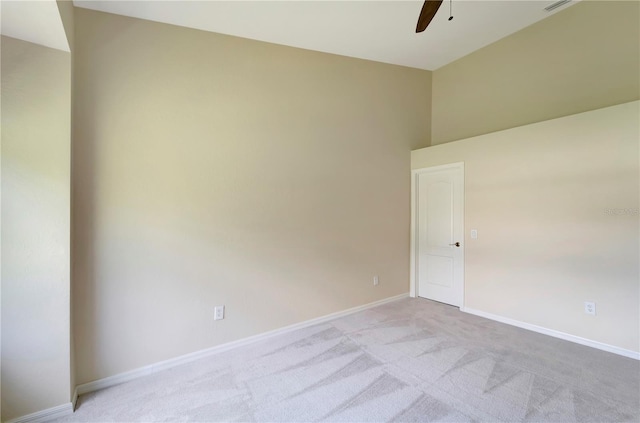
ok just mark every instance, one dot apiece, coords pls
pixel 382 31
pixel 38 22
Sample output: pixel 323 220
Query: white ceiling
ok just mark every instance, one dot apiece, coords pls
pixel 38 22
pixel 383 31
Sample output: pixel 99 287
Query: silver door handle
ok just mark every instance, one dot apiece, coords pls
pixel 457 244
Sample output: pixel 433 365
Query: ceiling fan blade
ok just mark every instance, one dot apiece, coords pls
pixel 429 9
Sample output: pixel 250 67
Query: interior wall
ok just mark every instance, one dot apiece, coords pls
pixel 556 208
pixel 35 227
pixel 67 14
pixel 213 170
pixel 66 10
pixel 583 58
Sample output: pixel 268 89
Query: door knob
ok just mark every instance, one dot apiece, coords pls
pixel 457 244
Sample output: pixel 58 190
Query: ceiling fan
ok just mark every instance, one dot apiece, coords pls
pixel 429 9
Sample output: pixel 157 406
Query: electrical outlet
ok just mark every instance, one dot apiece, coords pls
pixel 590 308
pixel 218 312
pixel 376 281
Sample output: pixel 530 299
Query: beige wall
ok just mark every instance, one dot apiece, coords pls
pixel 67 15
pixel 583 58
pixel 215 170
pixel 35 228
pixel 538 196
pixel 66 10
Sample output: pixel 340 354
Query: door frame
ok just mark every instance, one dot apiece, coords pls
pixel 413 286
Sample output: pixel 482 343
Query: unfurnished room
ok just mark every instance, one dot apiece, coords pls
pixel 305 211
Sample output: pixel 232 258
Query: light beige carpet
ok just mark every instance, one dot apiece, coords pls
pixel 410 360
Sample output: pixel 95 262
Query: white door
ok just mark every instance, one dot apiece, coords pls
pixel 438 233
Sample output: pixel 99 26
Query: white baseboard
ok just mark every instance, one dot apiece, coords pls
pixel 556 334
pixel 45 415
pixel 162 365
pixel 74 398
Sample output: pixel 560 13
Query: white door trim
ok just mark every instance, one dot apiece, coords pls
pixel 413 288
